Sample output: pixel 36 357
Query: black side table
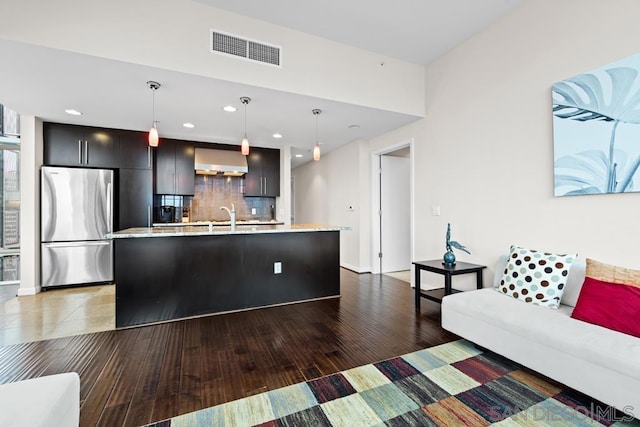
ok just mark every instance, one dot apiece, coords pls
pixel 436 266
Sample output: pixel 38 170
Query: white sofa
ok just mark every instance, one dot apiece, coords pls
pixel 596 361
pixel 52 400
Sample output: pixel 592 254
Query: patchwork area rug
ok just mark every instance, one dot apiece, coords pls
pixel 452 384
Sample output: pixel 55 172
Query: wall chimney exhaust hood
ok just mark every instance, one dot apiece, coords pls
pixel 210 161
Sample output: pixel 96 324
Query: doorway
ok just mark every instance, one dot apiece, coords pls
pixel 393 211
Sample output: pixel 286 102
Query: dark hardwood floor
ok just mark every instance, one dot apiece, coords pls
pixel 136 376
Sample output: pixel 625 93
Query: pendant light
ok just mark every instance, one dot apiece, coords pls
pixel 153 132
pixel 316 150
pixel 245 141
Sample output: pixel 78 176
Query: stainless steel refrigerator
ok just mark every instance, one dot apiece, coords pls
pixel 76 213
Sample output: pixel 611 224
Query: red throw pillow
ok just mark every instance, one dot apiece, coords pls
pixel 610 305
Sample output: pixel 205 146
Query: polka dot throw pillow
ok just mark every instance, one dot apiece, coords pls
pixel 536 277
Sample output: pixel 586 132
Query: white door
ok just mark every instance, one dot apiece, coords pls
pixel 395 238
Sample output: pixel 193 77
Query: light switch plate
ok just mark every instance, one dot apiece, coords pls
pixel 253 211
pixel 277 267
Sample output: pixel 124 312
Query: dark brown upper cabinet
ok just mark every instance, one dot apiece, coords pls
pixel 71 145
pixel 135 152
pixel 263 178
pixel 174 167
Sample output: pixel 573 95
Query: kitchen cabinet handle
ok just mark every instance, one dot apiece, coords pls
pixel 149 156
pixel 265 185
pixel 86 152
pixel 148 215
pixel 80 151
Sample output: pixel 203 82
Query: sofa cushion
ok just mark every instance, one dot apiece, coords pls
pixel 551 328
pixel 571 290
pixel 536 277
pixel 612 273
pixel 574 283
pixel 607 299
pixel 500 269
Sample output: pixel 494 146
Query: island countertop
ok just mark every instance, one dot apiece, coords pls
pixel 205 230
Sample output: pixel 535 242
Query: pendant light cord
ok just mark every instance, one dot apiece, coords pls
pixel 153 106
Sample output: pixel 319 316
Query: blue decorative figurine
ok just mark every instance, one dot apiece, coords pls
pixel 449 257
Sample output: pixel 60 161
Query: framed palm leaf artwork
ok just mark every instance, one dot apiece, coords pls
pixel 596 130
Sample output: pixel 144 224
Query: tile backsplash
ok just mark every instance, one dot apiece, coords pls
pixel 213 191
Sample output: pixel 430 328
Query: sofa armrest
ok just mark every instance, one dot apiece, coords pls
pixel 44 401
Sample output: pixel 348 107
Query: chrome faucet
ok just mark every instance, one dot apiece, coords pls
pixel 232 215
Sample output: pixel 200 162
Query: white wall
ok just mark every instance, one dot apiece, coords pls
pixel 30 162
pixel 174 35
pixel 325 192
pixel 283 203
pixel 484 152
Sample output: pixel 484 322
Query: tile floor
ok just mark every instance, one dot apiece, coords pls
pixel 57 313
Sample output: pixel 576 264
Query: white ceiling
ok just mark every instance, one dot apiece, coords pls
pixel 114 94
pixel 417 31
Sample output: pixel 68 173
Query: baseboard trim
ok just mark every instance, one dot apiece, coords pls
pixel 28 291
pixel 355 269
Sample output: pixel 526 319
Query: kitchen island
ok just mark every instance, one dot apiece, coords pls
pixel 169 273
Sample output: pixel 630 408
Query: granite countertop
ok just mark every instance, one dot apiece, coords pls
pixel 206 230
pixel 239 223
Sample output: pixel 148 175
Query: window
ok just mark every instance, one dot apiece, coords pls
pixel 9 196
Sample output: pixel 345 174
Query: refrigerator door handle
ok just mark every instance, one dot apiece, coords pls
pixel 109 208
pixel 77 244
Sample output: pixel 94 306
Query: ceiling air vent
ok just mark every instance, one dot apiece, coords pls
pixel 244 48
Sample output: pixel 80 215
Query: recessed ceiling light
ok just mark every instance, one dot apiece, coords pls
pixel 277 135
pixel 189 125
pixel 73 112
pixel 298 155
pixel 354 126
pixel 230 109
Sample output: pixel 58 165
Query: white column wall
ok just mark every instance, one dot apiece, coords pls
pixel 364 199
pixel 283 203
pixel 30 163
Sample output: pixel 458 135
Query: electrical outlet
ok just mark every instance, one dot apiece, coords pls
pixel 253 211
pixel 277 267
pixel 435 210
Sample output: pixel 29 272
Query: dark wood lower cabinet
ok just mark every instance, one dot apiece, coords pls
pixel 166 278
